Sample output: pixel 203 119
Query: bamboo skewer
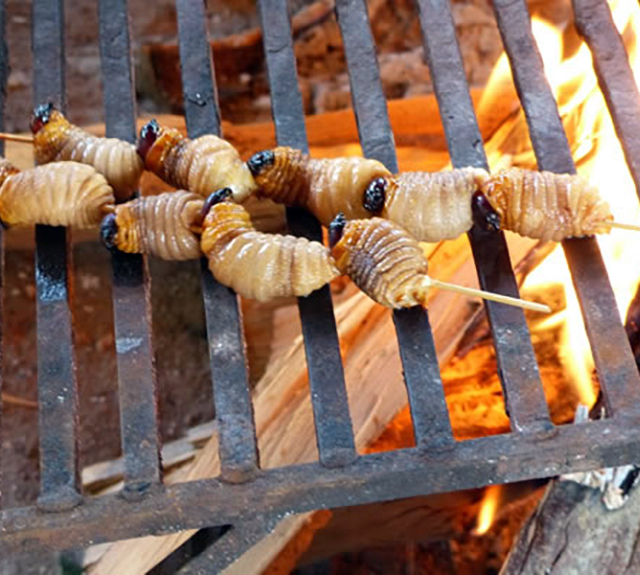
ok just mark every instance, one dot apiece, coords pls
pixel 430 282
pixel 621 226
pixel 16 138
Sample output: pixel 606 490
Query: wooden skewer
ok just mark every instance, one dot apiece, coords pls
pixel 16 138
pixel 489 295
pixel 620 226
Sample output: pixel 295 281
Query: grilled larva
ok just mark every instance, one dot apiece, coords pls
pixel 165 226
pixel 201 166
pixel 547 206
pixel 6 169
pixel 56 194
pixel 387 264
pixel 55 139
pixel 324 187
pixel 430 206
pixel 382 259
pixel 257 265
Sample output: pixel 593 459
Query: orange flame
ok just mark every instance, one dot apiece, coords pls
pixel 488 508
pixel 598 156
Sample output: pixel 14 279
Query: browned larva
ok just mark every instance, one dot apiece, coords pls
pixel 382 259
pixel 56 194
pixel 6 169
pixel 431 206
pixel 387 264
pixel 165 226
pixel 202 165
pixel 547 206
pixel 324 187
pixel 56 139
pixel 261 266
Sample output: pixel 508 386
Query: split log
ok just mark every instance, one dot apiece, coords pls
pixel 573 533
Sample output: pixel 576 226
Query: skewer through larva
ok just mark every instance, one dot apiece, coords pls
pixel 166 226
pixel 56 194
pixel 324 187
pixel 387 264
pixel 547 206
pixel 16 138
pixel 56 139
pixel 257 265
pixel 431 206
pixel 202 165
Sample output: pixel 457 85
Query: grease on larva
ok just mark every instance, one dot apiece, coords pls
pixel 384 261
pixel 547 206
pixel 201 166
pixel 433 206
pixel 56 194
pixel 163 226
pixel 262 266
pixel 325 187
pixel 117 160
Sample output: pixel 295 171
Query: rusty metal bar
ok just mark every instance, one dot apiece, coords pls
pixel 614 361
pixel 232 399
pixel 4 74
pixel 517 366
pixel 230 547
pixel 611 62
pixel 429 412
pixel 334 430
pixel 371 478
pixel 57 387
pixel 131 284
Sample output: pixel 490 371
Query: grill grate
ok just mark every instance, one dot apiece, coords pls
pixel 244 495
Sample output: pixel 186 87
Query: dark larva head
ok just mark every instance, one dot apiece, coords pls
pixel 40 117
pixel 375 195
pixel 148 135
pixel 259 161
pixel 484 214
pixel 109 231
pixel 215 198
pixel 336 228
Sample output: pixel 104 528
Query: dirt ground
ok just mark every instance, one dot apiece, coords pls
pixel 181 361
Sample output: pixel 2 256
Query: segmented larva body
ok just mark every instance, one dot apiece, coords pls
pixel 57 139
pixel 56 194
pixel 324 187
pixel 163 226
pixel 547 206
pixel 432 206
pixel 384 261
pixel 201 166
pixel 262 266
pixel 6 169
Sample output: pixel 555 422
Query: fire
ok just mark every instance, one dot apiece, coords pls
pixel 488 508
pixel 599 157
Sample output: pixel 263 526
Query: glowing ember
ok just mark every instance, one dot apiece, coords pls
pixel 598 156
pixel 488 508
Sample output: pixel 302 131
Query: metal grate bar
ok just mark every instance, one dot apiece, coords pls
pixel 4 74
pixel 334 430
pixel 131 286
pixel 517 364
pixel 429 413
pixel 372 478
pixel 611 351
pixel 595 23
pixel 57 388
pixel 234 410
